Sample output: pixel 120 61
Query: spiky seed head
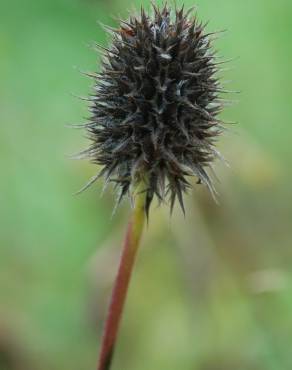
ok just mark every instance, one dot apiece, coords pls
pixel 155 105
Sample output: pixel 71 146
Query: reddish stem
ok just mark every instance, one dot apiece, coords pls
pixel 119 293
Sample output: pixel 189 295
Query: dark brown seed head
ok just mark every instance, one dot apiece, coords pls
pixel 155 105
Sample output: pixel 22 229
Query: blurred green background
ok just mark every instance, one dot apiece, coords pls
pixel 212 291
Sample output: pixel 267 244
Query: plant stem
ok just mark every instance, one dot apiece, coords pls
pixel 119 293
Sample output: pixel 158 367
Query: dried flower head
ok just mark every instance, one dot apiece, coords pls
pixel 155 105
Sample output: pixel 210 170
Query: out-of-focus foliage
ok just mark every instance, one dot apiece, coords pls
pixel 212 291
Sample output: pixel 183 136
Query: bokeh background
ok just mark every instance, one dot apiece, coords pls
pixel 212 291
